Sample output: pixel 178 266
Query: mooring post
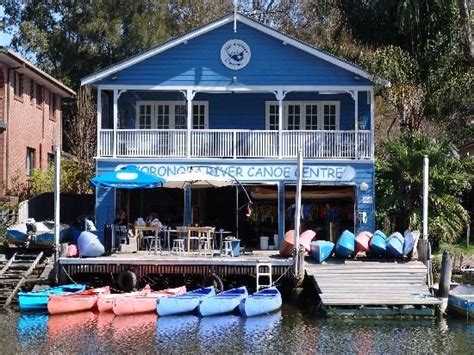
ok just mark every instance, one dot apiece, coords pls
pixel 445 279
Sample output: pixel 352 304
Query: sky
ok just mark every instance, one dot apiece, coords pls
pixel 5 38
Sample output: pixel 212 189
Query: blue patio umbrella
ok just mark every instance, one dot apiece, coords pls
pixel 128 177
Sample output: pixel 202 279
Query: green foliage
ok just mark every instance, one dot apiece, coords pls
pixel 400 186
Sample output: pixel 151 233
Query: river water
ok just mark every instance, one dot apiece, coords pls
pixel 288 331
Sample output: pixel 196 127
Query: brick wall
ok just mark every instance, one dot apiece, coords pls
pixel 30 126
pixel 2 132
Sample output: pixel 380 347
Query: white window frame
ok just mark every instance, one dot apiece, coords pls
pixel 171 104
pixel 302 105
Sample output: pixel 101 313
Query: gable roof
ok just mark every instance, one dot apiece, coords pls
pixel 219 23
pixel 12 58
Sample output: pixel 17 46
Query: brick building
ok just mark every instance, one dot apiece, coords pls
pixel 30 118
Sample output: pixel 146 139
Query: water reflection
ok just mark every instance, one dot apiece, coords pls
pixel 289 331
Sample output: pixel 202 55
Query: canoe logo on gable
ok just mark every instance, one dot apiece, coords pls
pixel 235 54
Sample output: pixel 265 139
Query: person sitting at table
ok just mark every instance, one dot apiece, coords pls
pixel 153 221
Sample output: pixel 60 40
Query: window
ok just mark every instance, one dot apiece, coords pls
pixel 330 120
pixel 30 161
pixel 50 159
pixel 32 92
pixel 52 108
pixel 305 115
pixel 39 95
pixel 144 117
pixel 18 85
pixel 311 117
pixel 171 115
pixel 293 117
pixel 272 122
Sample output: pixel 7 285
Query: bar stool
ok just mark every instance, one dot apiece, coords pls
pixel 154 243
pixel 228 246
pixel 178 246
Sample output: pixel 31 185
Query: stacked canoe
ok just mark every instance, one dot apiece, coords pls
pixel 377 244
pixel 172 301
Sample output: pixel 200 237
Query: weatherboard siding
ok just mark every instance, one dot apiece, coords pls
pixel 198 62
pixel 243 111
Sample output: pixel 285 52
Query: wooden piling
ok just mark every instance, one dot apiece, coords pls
pixel 445 275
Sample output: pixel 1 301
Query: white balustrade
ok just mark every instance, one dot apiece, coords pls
pixel 222 143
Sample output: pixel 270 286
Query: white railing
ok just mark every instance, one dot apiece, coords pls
pixel 223 143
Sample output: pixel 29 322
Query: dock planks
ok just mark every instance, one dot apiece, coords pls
pixel 351 283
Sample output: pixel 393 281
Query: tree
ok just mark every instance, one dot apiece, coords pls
pixel 399 186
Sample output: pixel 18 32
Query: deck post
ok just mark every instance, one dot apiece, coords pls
pixel 281 212
pixel 372 123
pixel 57 208
pixel 425 196
pixel 189 112
pixel 115 117
pixel 356 124
pixel 297 216
pixel 99 120
pixel 280 95
pixel 445 278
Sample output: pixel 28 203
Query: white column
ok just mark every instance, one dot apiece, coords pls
pixel 115 116
pixel 189 98
pixel 372 122
pixel 356 124
pixel 426 168
pixel 280 95
pixel 99 119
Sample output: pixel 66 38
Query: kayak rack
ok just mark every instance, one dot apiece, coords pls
pixel 19 270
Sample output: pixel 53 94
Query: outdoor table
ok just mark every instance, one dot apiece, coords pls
pixel 206 231
pixel 139 229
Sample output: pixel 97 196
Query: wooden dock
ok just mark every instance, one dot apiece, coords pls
pixel 144 263
pixel 359 284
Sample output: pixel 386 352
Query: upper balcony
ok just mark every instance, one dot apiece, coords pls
pixel 151 124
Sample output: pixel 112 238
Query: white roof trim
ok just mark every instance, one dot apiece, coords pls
pixel 247 21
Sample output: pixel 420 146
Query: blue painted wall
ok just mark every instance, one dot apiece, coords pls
pixel 243 111
pixel 364 172
pixel 198 63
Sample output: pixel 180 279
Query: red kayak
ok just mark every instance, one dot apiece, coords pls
pixel 105 302
pixel 134 304
pixel 82 301
pixel 362 241
pixel 287 245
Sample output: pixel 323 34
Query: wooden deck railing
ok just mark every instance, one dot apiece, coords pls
pixel 223 143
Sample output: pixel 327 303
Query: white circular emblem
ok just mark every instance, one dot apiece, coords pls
pixel 235 54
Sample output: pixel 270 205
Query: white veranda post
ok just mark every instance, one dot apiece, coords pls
pixel 57 205
pixel 299 185
pixel 425 196
pixel 189 110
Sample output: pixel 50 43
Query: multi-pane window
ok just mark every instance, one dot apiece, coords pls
pixel 330 119
pixel 293 117
pixel 304 115
pixel 18 85
pixel 272 117
pixel 311 117
pixel 144 116
pixel 163 116
pixel 32 92
pixel 52 105
pixel 199 118
pixel 180 116
pixel 30 161
pixel 171 115
pixel 39 95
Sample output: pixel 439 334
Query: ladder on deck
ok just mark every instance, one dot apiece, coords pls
pixel 264 270
pixel 16 272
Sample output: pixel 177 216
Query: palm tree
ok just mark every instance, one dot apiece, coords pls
pixel 399 185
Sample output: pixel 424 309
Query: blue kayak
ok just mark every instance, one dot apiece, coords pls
pixel 408 243
pixel 321 250
pixel 261 302
pixel 38 300
pixel 224 302
pixel 378 243
pixel 345 246
pixel 183 304
pixel 395 245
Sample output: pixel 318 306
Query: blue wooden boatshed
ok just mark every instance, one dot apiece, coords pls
pixel 238 96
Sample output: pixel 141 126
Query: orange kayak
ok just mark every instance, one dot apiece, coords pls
pixel 134 304
pixel 82 301
pixel 105 302
pixel 287 245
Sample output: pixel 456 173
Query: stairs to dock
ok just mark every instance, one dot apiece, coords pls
pixel 358 284
pixel 18 271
